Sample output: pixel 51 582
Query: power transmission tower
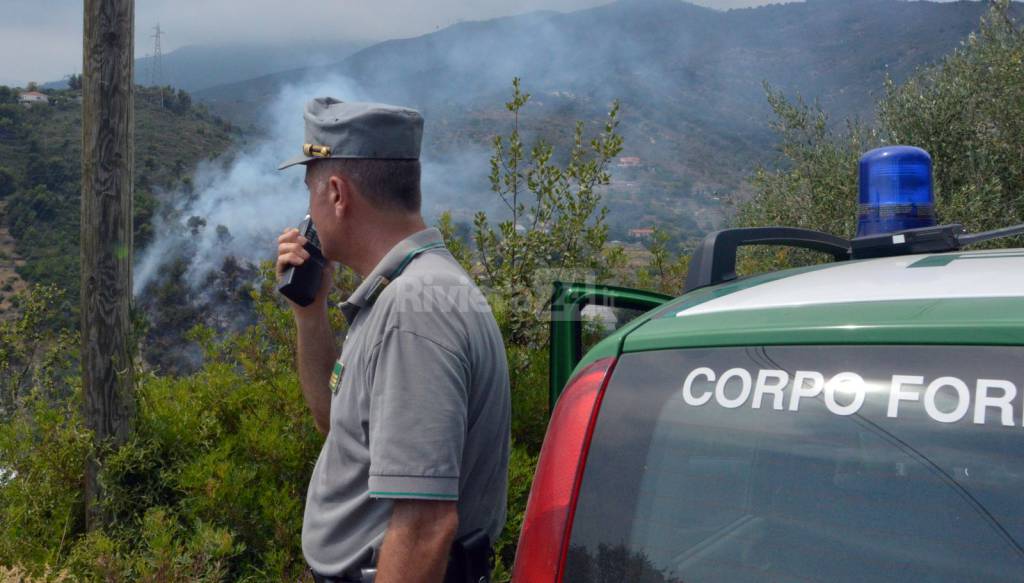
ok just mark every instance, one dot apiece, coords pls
pixel 156 63
pixel 108 143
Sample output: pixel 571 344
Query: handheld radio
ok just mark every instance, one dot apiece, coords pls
pixel 300 283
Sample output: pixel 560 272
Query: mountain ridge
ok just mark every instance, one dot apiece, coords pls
pixel 202 66
pixel 690 80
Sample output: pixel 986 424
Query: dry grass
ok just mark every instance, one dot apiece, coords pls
pixel 16 574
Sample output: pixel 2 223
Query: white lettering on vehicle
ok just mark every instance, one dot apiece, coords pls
pixel 688 386
pixel 945 399
pixel 1003 402
pixel 897 394
pixel 845 382
pixel 801 390
pixel 961 401
pixel 779 380
pixel 745 384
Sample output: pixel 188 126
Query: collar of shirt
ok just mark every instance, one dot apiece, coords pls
pixel 390 267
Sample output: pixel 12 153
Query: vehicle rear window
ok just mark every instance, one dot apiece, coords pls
pixel 806 464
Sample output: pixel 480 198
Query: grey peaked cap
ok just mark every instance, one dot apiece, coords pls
pixel 335 129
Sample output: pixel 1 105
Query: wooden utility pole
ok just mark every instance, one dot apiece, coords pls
pixel 108 143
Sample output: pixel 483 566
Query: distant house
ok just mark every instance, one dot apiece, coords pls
pixel 32 98
pixel 642 233
pixel 629 162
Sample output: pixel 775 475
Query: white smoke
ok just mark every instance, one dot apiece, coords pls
pixel 248 195
pixel 254 201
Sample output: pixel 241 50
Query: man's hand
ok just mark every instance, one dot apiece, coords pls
pixel 418 541
pixel 290 251
pixel 316 347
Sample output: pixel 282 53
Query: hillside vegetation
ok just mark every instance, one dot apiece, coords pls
pixel 689 80
pixel 40 173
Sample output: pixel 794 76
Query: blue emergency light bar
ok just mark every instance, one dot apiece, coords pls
pixel 895 191
pixel 896 217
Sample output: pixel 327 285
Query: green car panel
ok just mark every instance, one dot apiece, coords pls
pixel 990 321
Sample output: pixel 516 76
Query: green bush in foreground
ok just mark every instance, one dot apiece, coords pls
pixel 211 485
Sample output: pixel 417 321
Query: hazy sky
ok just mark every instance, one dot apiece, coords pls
pixel 41 40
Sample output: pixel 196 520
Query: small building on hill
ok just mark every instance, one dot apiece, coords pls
pixel 29 98
pixel 641 233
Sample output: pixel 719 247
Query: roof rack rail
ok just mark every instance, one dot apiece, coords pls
pixel 714 260
pixel 966 239
pixel 938 239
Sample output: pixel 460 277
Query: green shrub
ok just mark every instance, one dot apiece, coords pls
pixel 42 451
pixel 521 467
pixel 965 111
pixel 210 487
pixel 555 225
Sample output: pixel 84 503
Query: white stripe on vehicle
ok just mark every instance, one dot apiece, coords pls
pixel 985 274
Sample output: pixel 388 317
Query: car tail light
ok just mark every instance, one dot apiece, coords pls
pixel 544 540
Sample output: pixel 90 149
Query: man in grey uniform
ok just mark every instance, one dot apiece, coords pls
pixel 416 408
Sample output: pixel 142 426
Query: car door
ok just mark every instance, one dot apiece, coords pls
pixel 610 308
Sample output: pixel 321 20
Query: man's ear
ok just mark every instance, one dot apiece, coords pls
pixel 339 194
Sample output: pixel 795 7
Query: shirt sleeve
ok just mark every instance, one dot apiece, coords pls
pixel 418 418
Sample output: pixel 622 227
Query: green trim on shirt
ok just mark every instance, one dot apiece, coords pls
pixel 414 495
pixel 412 255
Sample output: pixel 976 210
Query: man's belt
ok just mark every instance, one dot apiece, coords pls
pixel 329 579
pixel 470 561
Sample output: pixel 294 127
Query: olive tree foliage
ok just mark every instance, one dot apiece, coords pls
pixel 666 270
pixel 968 113
pixel 555 221
pixel 965 111
pixel 817 187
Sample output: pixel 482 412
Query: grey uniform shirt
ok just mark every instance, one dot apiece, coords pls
pixel 420 408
